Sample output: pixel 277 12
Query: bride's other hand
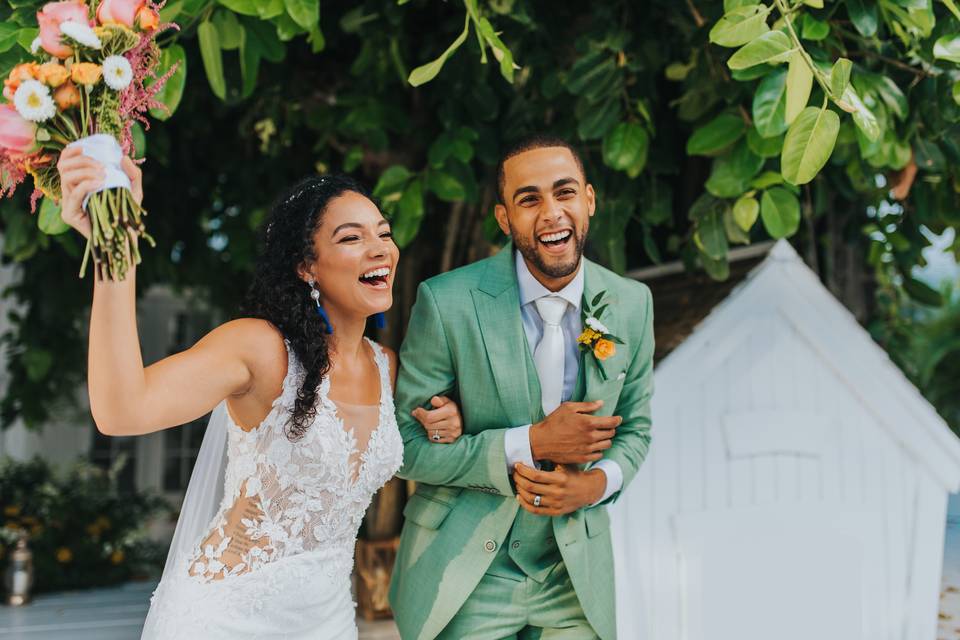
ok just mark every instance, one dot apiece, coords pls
pixel 81 175
pixel 443 423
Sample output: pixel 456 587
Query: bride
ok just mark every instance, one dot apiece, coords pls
pixel 302 407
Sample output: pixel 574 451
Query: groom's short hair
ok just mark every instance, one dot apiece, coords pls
pixel 529 143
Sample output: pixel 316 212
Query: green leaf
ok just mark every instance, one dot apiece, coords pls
pixel 500 51
pixel 49 220
pixel 863 14
pixel 922 292
pixel 780 212
pixel 840 76
pixel 445 186
pixel 262 37
pixel 244 7
pixel 715 136
pixel 391 182
pixel 766 179
pixel 732 172
pixel 808 144
pixel 733 230
pixel 955 92
pixel 799 85
pixel 599 119
pixel 305 13
pixel 745 212
pixel 710 236
pixel 951 5
pixel 928 155
pixel 37 362
pixel 816 4
pixel 353 158
pixel 770 105
pixel 249 63
pixel 863 117
pixel 771 48
pixel 426 73
pixel 625 147
pixel 212 58
pixel 405 223
pixel 764 147
pixel 8 36
pixel 814 29
pixel 741 25
pixel 228 29
pixel 172 91
pixel 947 47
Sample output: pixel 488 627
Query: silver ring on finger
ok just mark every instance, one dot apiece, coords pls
pixel 436 436
pixel 537 500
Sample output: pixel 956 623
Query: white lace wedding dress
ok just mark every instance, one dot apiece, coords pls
pixel 276 560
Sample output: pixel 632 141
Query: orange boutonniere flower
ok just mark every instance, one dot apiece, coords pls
pixel 596 338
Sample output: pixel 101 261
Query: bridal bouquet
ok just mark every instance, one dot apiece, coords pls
pixel 92 76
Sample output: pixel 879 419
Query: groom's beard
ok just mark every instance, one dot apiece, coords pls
pixel 554 269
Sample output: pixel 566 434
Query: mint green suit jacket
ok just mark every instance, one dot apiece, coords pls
pixel 466 339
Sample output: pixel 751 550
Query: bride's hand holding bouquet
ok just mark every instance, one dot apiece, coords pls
pixel 92 78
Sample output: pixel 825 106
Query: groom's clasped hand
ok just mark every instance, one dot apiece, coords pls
pixel 569 436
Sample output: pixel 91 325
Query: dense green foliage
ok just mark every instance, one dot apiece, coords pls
pixel 703 125
pixel 82 531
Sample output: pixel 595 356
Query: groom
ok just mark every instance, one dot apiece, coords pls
pixel 507 535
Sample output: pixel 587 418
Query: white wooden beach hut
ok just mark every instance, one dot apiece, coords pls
pixel 797 482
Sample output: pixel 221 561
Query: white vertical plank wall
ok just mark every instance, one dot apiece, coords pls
pixel 874 460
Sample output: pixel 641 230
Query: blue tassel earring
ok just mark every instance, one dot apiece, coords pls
pixel 315 294
pixel 381 320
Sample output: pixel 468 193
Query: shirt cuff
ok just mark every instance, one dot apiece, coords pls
pixel 614 478
pixel 516 441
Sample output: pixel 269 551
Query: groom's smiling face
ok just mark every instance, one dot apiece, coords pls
pixel 546 210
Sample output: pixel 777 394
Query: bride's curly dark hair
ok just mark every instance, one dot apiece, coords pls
pixel 279 296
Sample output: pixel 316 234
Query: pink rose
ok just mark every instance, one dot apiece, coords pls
pixel 16 133
pixel 122 11
pixel 50 18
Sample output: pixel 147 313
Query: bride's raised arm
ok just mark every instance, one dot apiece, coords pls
pixel 127 398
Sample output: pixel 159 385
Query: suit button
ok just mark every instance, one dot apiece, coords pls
pixel 550 540
pixel 490 546
pixel 516 545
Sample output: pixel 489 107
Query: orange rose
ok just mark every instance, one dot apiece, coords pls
pixel 86 73
pixel 53 74
pixel 148 19
pixel 21 72
pixel 604 349
pixel 67 96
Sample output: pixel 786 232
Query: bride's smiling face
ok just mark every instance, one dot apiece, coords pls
pixel 356 258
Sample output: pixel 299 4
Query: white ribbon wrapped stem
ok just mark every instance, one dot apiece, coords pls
pixel 105 149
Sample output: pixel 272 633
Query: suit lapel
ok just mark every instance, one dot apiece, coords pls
pixel 497 303
pixel 594 384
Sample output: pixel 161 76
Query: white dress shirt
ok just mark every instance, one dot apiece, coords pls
pixel 517 439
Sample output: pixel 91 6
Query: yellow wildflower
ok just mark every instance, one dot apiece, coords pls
pixel 588 336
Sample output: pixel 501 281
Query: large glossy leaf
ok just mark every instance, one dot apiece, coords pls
pixel 814 29
pixel 599 119
pixel 732 172
pixel 212 58
pixel 716 135
pixel 863 117
pixel 799 85
pixel 245 7
pixel 740 25
pixel 764 147
pixel 771 48
pixel 305 13
pixel 947 47
pixel 710 236
pixel 625 147
pixel 172 91
pixel 780 212
pixel 49 219
pixel 840 76
pixel 408 214
pixel 808 144
pixel 745 212
pixel 770 105
pixel 863 14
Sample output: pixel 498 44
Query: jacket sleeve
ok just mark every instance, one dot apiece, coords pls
pixel 427 368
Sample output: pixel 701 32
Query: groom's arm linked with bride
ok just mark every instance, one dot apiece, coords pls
pixel 478 514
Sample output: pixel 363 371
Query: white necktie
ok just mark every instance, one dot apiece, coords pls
pixel 549 354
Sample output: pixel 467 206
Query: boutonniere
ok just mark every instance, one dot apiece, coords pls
pixel 596 338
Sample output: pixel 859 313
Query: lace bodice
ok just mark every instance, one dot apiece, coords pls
pixel 283 498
